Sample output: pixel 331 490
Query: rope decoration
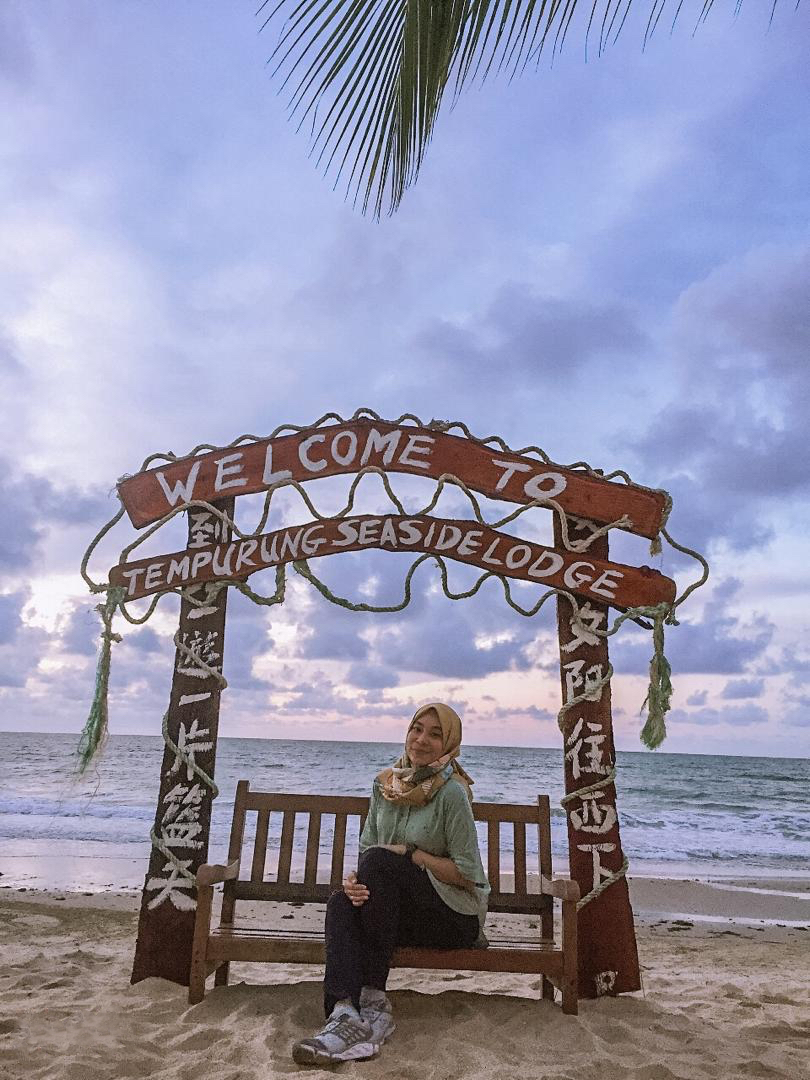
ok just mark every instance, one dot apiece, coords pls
pixel 659 693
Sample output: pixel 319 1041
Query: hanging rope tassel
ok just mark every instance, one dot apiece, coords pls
pixel 659 693
pixel 94 732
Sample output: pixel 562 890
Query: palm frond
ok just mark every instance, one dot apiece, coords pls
pixel 368 76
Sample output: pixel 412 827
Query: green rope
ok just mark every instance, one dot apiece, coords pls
pixel 94 733
pixel 659 693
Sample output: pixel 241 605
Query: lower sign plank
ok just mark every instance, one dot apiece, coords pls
pixel 466 541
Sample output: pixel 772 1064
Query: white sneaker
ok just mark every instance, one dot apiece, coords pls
pixel 344 1037
pixel 375 1009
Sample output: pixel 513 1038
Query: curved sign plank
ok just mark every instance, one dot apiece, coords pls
pixel 466 541
pixel 349 447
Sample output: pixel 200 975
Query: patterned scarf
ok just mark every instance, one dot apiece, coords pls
pixel 403 783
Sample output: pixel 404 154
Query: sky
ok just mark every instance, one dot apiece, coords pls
pixel 608 257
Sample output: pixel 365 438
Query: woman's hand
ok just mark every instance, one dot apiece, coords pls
pixel 355 890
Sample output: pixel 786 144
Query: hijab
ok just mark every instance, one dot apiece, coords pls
pixel 404 783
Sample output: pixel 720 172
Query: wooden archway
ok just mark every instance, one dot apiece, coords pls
pixel 577 564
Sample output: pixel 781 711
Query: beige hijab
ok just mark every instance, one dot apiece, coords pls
pixel 403 783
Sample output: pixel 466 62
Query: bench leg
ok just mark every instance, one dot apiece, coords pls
pixel 199 946
pixel 570 979
pixel 222 972
pixel 547 988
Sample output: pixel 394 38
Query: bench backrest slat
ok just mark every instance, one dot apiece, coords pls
pixel 519 848
pixel 338 851
pixel 494 854
pixel 285 848
pixel 260 846
pixel 313 846
pixel 340 809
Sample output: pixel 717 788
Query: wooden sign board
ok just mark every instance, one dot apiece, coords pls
pixel 465 541
pixel 348 447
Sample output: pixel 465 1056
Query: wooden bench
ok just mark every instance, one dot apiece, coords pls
pixel 214 949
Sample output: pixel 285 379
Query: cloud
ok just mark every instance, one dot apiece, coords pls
pixel 11 605
pixel 720 643
pixel 698 698
pixel 372 676
pixel 735 716
pixel 743 688
pixel 32 506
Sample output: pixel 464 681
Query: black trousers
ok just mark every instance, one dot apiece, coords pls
pixel 403 909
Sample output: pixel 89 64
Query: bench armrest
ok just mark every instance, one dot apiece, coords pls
pixel 562 888
pixel 211 873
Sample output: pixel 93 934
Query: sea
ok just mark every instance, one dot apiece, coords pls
pixel 681 815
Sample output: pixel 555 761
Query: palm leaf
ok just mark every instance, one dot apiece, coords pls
pixel 368 76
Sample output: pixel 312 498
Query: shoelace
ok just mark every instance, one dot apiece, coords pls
pixel 345 1027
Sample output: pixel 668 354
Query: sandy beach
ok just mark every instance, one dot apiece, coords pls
pixel 726 994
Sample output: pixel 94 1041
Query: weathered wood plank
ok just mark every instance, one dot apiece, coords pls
pixel 585 574
pixel 313 847
pixel 494 855
pixel 519 847
pixel 348 447
pixel 260 846
pixel 607 951
pixel 338 851
pixel 285 847
pixel 183 812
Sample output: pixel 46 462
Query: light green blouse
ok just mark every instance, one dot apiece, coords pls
pixel 444 827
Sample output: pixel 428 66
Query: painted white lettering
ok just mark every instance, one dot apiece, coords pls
pixel 470 542
pixel 222 567
pixel 388 534
pixel 583 627
pixel 599 871
pixel 171 888
pixel 489 554
pixel 271 556
pixel 587 682
pixel 605 586
pixel 556 484
pixel 303 454
pixel 369 530
pixel 412 532
pixel 575 577
pixel 289 544
pixel 428 539
pixel 226 467
pixel 189 699
pixel 268 476
pixel 412 446
pixel 309 543
pixel 201 559
pixel 449 536
pixel 348 530
pixel 593 816
pixel 375 443
pixel 348 456
pixel 246 549
pixel 518 555
pixel 181 492
pixel 178 568
pixel 132 577
pixel 509 470
pixel 550 562
pixel 153 575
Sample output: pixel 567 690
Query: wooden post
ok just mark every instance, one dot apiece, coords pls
pixel 608 956
pixel 183 815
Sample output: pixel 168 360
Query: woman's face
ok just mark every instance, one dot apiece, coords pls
pixel 423 743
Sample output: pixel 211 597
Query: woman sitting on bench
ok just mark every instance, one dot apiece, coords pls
pixel 419 881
